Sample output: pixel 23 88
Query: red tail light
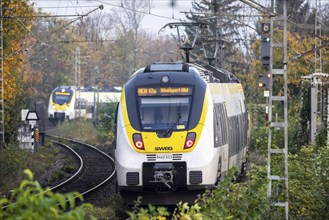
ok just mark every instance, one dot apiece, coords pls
pixel 138 141
pixel 190 140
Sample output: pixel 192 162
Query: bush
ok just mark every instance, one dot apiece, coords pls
pixel 238 200
pixel 33 202
pixel 247 200
pixel 151 212
pixel 307 191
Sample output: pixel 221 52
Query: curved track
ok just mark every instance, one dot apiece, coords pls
pixel 95 171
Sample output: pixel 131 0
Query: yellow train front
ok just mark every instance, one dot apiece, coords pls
pixel 174 133
pixel 61 103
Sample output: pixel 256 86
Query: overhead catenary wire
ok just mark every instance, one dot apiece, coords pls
pixel 142 12
pixel 52 32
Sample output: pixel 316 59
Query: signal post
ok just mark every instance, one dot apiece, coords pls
pixel 277 189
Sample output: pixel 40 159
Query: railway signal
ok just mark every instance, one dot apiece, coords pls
pixel 266 51
pixel 265 28
pixel 264 81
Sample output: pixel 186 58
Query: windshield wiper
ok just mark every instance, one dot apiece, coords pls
pixel 169 130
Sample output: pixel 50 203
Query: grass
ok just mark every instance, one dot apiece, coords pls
pixel 14 160
pixel 84 131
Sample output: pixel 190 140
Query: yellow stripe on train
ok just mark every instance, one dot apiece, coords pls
pixel 175 143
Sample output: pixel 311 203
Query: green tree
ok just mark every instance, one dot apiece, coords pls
pixel 299 12
pixel 222 28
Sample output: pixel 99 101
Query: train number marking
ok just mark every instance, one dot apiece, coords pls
pixel 164 156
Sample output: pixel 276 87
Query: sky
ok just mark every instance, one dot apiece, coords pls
pixel 160 14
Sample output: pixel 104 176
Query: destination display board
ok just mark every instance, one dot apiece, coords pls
pixel 62 93
pixel 164 91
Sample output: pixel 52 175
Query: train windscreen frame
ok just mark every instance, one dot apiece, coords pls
pixel 163 108
pixel 62 97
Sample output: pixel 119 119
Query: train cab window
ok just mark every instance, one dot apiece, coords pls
pixel 161 113
pixel 62 98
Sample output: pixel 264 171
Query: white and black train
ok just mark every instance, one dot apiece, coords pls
pixel 69 102
pixel 179 130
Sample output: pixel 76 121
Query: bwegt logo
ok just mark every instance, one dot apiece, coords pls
pixel 163 148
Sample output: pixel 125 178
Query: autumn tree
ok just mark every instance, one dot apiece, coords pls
pixel 49 63
pixel 17 24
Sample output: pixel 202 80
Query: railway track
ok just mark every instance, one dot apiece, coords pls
pixel 96 169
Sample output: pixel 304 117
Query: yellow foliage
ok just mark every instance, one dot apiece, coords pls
pixel 15 31
pixel 304 65
pixel 12 67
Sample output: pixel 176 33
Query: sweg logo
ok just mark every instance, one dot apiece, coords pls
pixel 163 148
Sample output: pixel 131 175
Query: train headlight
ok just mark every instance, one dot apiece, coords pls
pixel 138 141
pixel 53 106
pixel 190 140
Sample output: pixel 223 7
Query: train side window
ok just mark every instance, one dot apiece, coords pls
pixel 223 123
pixel 216 143
pixel 246 129
pixel 220 113
pixel 235 137
pixel 237 134
pixel 231 136
pixel 224 116
pixel 219 118
pixel 243 128
pixel 219 124
pixel 241 132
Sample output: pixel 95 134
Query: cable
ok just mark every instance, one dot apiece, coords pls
pixel 54 31
pixel 66 7
pixel 142 12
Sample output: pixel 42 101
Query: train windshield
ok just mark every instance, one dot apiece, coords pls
pixel 62 97
pixel 163 113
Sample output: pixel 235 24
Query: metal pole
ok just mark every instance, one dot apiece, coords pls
pixel 285 66
pixel 77 80
pixel 96 94
pixel 314 109
pixel 2 90
pixel 277 126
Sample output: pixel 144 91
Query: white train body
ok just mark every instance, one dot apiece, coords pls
pixel 67 102
pixel 201 134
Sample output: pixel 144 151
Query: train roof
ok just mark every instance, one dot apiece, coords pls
pixel 91 89
pixel 106 89
pixel 209 73
pixel 65 88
